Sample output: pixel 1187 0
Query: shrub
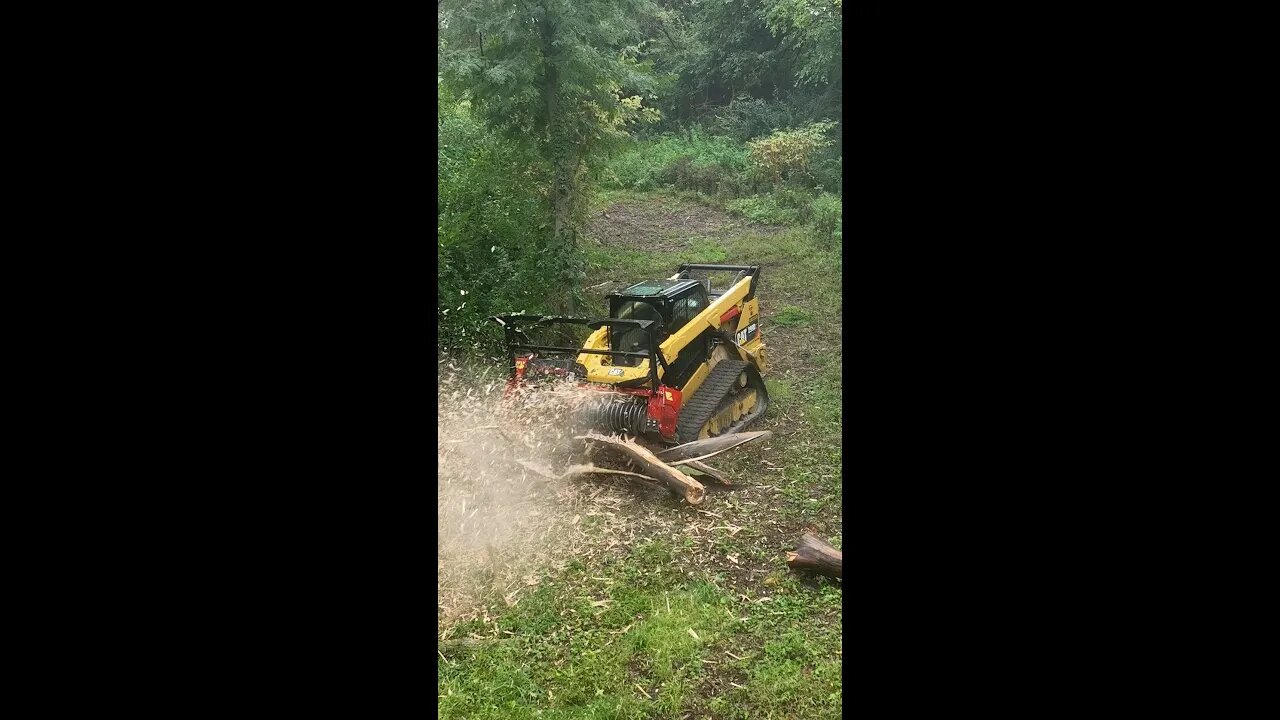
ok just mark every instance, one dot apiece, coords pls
pixel 786 154
pixel 792 198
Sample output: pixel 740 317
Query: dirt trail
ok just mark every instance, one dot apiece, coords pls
pixel 661 224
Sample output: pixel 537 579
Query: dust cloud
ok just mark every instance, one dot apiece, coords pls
pixel 499 505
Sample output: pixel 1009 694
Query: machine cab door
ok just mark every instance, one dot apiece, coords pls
pixel 632 339
pixel 683 309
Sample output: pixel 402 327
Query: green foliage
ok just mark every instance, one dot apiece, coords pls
pixel 554 73
pixel 747 118
pixel 764 209
pixel 492 232
pixel 782 57
pixel 560 79
pixel 786 154
pixel 542 103
pixel 810 33
pixel 689 161
pixel 826 211
pixel 827 169
pixel 794 166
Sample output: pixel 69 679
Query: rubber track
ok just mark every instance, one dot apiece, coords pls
pixel 707 399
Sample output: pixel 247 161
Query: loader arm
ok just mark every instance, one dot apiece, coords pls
pixel 720 314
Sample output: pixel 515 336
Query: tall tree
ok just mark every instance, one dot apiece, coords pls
pixel 559 76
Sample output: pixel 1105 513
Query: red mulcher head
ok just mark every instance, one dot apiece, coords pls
pixel 649 411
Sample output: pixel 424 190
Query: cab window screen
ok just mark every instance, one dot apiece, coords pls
pixel 687 309
pixel 680 314
pixel 631 339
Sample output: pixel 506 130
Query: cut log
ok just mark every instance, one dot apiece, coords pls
pixel 702 449
pixel 817 556
pixel 679 483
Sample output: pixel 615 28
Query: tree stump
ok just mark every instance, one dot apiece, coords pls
pixel 817 556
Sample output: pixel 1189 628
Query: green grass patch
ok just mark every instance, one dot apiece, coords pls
pixel 791 317
pixel 628 639
pixel 764 209
pixel 705 250
pixel 621 264
pixel 827 401
pixel 779 390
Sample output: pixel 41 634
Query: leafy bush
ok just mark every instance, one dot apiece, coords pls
pixel 710 179
pixel 786 154
pixel 493 241
pixel 785 161
pixel 794 199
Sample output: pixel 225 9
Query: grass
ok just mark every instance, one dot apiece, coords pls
pixel 791 316
pixel 635 638
pixel 698 615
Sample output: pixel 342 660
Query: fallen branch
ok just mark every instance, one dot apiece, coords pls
pixel 710 472
pixel 817 556
pixel 580 470
pixel 679 483
pixel 702 449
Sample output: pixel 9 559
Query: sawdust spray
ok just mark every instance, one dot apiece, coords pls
pixel 498 511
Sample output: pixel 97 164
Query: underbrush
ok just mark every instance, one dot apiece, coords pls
pixel 787 177
pixel 690 161
pixel 764 209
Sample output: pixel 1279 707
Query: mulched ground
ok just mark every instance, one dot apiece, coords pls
pixel 664 224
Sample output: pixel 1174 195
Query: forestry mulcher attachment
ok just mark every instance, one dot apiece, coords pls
pixel 679 361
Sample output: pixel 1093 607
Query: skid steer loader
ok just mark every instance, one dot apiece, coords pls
pixel 676 360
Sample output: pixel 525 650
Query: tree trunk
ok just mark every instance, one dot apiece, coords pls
pixel 566 240
pixel 817 556
pixel 564 161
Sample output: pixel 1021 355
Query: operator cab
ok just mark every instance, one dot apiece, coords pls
pixel 673 303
